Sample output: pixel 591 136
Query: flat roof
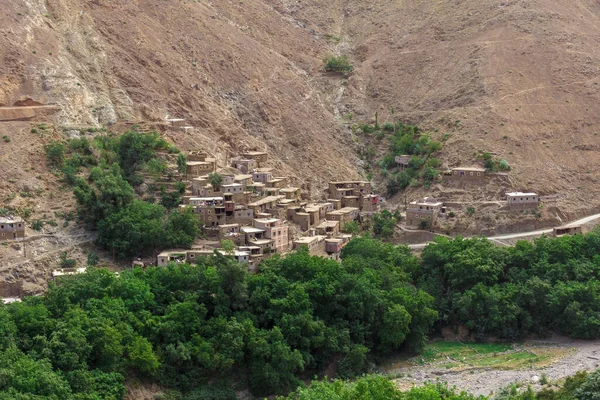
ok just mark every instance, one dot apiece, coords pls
pixel 289 189
pixel 468 169
pixel 254 153
pixel 335 240
pixel 228 225
pixel 206 198
pixel 241 177
pixel 521 194
pixel 166 253
pixel 309 239
pixel 344 210
pixel 266 200
pixel 267 220
pixel 261 241
pixel 426 203
pixel 262 170
pixel 198 163
pixel 232 185
pixel 325 224
pixel 10 220
pixel 287 201
pixel 251 229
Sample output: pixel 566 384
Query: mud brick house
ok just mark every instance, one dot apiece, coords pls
pixel 328 228
pixel 343 215
pixel 199 168
pixel 426 209
pixel 315 244
pixel 262 175
pixel 260 157
pixel 402 161
pixel 12 228
pixel 276 230
pixel 244 165
pixel 567 230
pixel 465 174
pixel 522 201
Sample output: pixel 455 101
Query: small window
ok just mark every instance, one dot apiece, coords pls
pixel 192 255
pixel 479 174
pixel 471 174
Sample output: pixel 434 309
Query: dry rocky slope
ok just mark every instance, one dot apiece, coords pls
pixel 521 77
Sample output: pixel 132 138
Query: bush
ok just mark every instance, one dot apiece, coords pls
pixel 66 262
pixel 424 224
pixel 37 225
pixel 55 153
pixel 337 64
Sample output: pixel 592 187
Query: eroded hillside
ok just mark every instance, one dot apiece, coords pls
pixel 513 78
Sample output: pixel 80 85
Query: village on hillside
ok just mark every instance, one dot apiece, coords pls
pixel 252 206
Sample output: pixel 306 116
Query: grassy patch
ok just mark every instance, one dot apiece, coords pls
pixel 460 356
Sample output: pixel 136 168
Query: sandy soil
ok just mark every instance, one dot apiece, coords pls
pixel 585 355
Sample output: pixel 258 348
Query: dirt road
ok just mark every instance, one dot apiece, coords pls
pixel 585 356
pixel 520 235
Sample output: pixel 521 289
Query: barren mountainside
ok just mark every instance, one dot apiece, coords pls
pixel 518 79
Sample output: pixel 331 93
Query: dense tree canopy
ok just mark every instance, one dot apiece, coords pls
pixel 550 284
pixel 184 326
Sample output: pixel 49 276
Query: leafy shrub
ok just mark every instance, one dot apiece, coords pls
pixel 337 64
pixel 55 153
pixel 37 225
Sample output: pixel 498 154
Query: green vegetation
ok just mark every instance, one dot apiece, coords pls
pixel 404 140
pixel 351 227
pixel 581 386
pixel 215 180
pixel 551 284
pixel 181 164
pixel 384 223
pixel 457 355
pixel 55 153
pixel 106 199
pixel 337 64
pixel 185 326
pixel 375 388
pixel 492 164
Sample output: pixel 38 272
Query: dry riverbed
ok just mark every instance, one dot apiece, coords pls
pixel 483 369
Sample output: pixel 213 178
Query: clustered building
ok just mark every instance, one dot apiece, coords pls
pixel 262 214
pixel 424 213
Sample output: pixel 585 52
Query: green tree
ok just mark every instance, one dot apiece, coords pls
pixel 384 223
pixel 181 164
pixel 337 64
pixel 55 153
pixel 134 230
pixel 215 180
pixel 352 227
pixel 228 246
